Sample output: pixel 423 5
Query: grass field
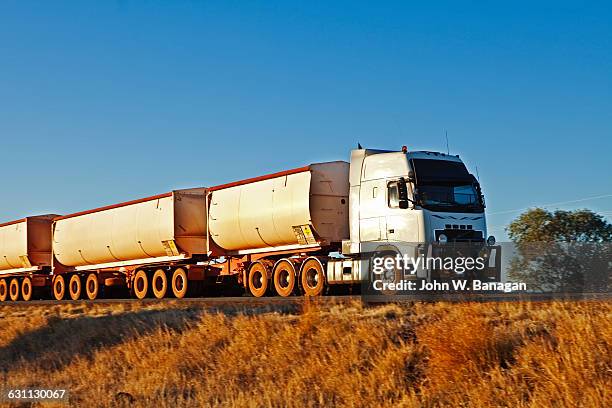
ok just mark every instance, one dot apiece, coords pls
pixel 485 354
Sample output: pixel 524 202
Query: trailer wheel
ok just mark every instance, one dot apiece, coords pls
pixel 284 277
pixel 92 286
pixel 258 279
pixel 26 288
pixel 14 289
pixel 312 278
pixel 159 284
pixel 141 284
pixel 59 287
pixel 3 290
pixel 75 287
pixel 179 283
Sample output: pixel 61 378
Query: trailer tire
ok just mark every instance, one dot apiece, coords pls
pixel 75 287
pixel 14 289
pixel 284 277
pixel 179 283
pixel 3 290
pixel 92 286
pixel 140 284
pixel 159 284
pixel 26 288
pixel 59 287
pixel 258 279
pixel 312 277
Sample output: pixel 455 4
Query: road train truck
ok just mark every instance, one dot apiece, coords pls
pixel 304 230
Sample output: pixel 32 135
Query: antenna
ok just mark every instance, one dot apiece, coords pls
pixel 477 175
pixel 446 135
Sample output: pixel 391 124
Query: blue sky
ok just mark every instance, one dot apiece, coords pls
pixel 106 101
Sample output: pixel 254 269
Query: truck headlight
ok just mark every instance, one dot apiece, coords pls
pixel 443 239
pixel 491 240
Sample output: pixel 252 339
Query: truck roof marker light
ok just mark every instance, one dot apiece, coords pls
pixel 404 149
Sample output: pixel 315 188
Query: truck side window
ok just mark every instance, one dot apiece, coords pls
pixel 393 194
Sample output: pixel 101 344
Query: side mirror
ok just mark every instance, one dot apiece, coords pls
pixel 402 190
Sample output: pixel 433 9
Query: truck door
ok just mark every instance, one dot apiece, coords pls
pixel 372 211
pixel 401 223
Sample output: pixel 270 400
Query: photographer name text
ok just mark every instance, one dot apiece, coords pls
pixel 456 285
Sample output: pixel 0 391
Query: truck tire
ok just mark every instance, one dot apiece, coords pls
pixel 179 283
pixel 26 288
pixel 3 290
pixel 312 277
pixel 388 276
pixel 75 287
pixel 59 287
pixel 140 284
pixel 92 286
pixel 14 289
pixel 159 284
pixel 258 279
pixel 284 277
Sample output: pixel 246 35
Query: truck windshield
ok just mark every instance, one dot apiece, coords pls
pixel 464 195
pixel 444 185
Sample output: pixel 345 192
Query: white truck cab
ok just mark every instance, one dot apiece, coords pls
pixel 410 203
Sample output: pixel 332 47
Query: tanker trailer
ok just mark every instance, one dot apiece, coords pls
pixel 25 256
pixel 148 245
pixel 277 225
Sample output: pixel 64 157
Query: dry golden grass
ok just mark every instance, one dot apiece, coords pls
pixel 487 354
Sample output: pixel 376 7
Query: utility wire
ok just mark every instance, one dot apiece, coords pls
pixel 552 204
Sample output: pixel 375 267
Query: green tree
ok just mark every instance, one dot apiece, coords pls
pixel 539 225
pixel 562 251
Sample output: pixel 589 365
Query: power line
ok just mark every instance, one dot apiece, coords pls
pixel 552 204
